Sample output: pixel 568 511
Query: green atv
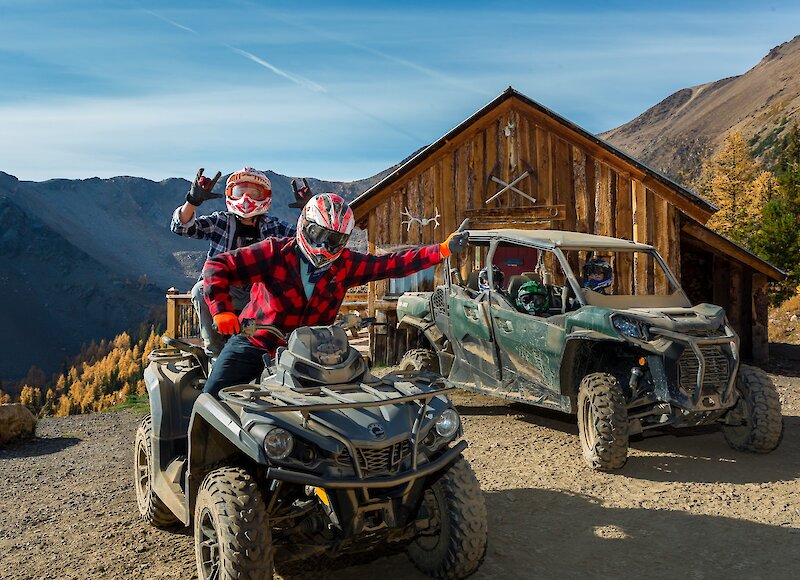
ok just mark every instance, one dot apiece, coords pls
pixel 632 356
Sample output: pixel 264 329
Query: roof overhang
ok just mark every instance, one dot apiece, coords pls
pixel 711 238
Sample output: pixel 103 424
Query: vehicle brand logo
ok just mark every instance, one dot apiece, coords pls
pixel 377 430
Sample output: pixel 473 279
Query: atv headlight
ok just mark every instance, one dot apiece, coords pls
pixel 447 423
pixel 278 443
pixel 629 328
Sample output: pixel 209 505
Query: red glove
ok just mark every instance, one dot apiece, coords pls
pixel 227 323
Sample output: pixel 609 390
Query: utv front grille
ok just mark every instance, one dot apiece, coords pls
pixel 383 461
pixel 439 302
pixel 716 375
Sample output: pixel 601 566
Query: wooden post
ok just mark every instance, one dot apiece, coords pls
pixel 735 298
pixel 760 306
pixel 172 313
pixel 624 229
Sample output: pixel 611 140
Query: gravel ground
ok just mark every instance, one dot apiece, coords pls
pixel 684 506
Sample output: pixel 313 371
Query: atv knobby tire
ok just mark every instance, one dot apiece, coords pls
pixel 603 422
pixel 151 508
pixel 455 545
pixel 760 405
pixel 420 359
pixel 232 538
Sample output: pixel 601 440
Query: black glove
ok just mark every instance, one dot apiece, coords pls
pixel 201 188
pixel 301 194
pixel 455 243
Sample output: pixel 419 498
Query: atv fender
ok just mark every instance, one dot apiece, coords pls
pixel 215 435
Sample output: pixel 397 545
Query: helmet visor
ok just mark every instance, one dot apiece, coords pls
pixel 254 191
pixel 535 300
pixel 319 236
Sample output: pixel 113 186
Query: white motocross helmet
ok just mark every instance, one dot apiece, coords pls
pixel 323 228
pixel 248 193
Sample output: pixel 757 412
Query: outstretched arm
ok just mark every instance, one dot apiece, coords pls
pixel 368 268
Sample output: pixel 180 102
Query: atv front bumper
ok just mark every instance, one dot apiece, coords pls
pixel 298 477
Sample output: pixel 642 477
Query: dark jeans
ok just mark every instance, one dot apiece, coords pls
pixel 240 362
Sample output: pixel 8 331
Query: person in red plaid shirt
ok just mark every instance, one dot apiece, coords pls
pixel 298 281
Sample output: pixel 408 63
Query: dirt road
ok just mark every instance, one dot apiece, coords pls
pixel 684 506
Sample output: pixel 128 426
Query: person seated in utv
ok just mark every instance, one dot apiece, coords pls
pixel 248 197
pixel 498 279
pixel 598 275
pixel 298 281
pixel 533 298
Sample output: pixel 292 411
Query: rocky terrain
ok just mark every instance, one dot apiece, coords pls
pixel 674 135
pixel 685 505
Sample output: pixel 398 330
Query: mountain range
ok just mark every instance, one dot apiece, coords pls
pixel 86 259
pixel 675 135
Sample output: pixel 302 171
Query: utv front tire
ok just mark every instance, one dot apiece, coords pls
pixel 455 545
pixel 760 408
pixel 151 508
pixel 420 359
pixel 603 422
pixel 232 537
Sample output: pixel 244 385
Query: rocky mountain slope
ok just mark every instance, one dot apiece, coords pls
pixel 85 259
pixel 674 135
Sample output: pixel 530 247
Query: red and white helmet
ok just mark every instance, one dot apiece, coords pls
pixel 323 228
pixel 248 193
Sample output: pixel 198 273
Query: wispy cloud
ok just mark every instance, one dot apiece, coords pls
pixel 169 21
pixel 296 79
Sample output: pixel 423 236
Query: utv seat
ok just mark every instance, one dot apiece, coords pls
pixel 472 281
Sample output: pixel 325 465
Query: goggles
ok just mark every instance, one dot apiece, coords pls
pixel 531 298
pixel 595 269
pixel 254 192
pixel 320 236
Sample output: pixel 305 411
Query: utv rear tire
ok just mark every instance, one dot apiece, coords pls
pixel 151 508
pixel 232 537
pixel 420 359
pixel 603 422
pixel 761 406
pixel 457 545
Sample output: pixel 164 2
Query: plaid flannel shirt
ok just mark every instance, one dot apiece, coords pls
pixel 277 296
pixel 220 229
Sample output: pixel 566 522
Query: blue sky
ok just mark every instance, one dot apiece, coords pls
pixel 335 90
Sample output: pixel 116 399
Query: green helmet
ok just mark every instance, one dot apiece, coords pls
pixel 533 298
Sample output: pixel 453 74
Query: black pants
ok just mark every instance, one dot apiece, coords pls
pixel 240 362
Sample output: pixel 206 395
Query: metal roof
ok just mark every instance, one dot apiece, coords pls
pixel 558 239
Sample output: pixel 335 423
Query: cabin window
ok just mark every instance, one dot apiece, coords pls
pixel 418 282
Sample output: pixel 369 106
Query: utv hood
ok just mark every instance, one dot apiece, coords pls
pixel 700 317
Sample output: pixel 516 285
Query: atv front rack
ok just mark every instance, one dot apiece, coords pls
pixel 253 398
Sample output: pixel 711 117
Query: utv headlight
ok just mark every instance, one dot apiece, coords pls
pixel 278 443
pixel 447 423
pixel 629 328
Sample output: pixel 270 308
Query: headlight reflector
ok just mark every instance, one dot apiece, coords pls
pixel 629 328
pixel 448 422
pixel 278 443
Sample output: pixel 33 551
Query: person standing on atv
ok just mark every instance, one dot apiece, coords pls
pixel 299 281
pixel 248 196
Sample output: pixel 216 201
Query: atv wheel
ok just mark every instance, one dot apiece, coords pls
pixel 455 544
pixel 232 537
pixel 151 508
pixel 760 408
pixel 603 422
pixel 420 359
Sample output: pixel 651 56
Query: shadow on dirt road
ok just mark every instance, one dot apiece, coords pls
pixel 36 447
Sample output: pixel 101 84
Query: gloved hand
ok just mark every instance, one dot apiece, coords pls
pixel 301 194
pixel 201 188
pixel 227 323
pixel 455 243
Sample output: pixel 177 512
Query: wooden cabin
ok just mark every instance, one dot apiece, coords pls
pixel 518 164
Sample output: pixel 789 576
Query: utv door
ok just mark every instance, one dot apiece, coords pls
pixel 530 351
pixel 472 341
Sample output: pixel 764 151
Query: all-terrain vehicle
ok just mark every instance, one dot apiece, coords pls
pixel 319 457
pixel 632 356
